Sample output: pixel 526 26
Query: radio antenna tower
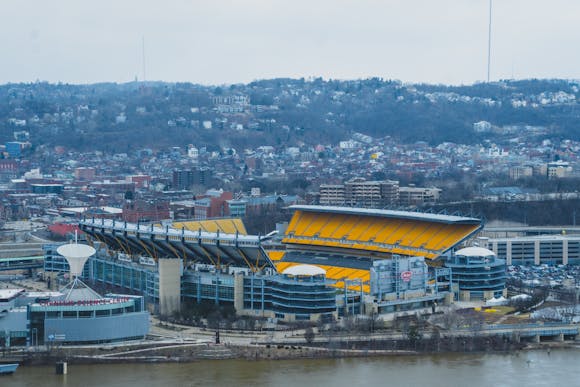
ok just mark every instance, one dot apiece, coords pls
pixel 489 42
pixel 143 59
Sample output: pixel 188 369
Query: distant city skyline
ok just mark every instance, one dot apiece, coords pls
pixel 224 42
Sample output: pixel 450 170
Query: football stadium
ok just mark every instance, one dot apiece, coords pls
pixel 329 262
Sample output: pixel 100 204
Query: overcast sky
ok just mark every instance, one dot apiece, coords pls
pixel 218 42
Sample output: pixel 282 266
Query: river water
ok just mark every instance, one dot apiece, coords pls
pixel 528 368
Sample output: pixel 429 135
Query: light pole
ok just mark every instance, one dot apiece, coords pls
pixel 34 338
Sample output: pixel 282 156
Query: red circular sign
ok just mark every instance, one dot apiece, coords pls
pixel 406 276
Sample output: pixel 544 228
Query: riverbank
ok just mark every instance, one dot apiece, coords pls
pixel 184 353
pixel 180 343
pixel 194 351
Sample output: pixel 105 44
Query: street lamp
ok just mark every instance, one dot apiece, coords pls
pixel 34 338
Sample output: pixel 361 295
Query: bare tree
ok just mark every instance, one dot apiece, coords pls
pixel 309 335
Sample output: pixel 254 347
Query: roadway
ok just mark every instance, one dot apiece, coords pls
pixel 181 333
pixel 21 263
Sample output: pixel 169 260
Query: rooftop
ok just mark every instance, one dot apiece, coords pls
pixel 7 294
pixel 475 252
pixel 420 216
pixel 304 270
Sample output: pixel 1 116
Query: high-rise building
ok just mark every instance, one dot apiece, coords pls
pixel 518 172
pixel 411 196
pixel 371 194
pixel 359 192
pixel 332 194
pixel 185 179
pixel 558 169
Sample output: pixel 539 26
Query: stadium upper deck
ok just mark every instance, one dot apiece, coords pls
pixel 215 248
pixel 227 226
pixel 338 268
pixel 383 231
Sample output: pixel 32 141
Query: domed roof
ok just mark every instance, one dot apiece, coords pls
pixel 475 252
pixel 306 270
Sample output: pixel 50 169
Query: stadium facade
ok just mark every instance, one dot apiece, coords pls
pixel 331 261
pixel 478 273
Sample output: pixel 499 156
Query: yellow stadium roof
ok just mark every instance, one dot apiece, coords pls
pixel 275 255
pixel 227 226
pixel 338 274
pixel 394 232
pixel 443 218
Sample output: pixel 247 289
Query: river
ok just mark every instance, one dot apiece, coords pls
pixel 559 367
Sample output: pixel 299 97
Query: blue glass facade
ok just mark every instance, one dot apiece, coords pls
pixel 199 286
pixel 276 295
pixel 300 296
pixel 114 318
pixel 125 275
pixel 478 274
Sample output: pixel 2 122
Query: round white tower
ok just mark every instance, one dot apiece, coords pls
pixel 76 255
